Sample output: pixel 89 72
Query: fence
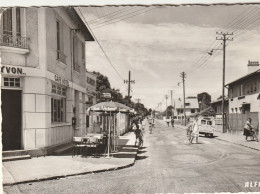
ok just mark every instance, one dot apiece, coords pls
pixel 237 121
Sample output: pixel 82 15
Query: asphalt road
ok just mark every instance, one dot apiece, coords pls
pixel 167 165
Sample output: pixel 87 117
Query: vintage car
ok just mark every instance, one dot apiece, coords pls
pixel 206 126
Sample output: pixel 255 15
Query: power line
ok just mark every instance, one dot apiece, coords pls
pixel 124 18
pixel 100 46
pixel 95 25
pixel 105 16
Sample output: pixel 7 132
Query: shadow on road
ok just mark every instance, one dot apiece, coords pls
pixel 141 157
pixel 141 152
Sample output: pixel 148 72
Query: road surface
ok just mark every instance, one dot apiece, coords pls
pixel 165 165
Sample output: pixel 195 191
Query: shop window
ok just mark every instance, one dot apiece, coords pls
pixel 12 82
pixel 58 104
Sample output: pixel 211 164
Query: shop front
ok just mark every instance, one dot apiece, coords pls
pixel 40 109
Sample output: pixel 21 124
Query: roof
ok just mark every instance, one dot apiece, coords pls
pixel 193 103
pixel 219 100
pixel 244 77
pixel 80 24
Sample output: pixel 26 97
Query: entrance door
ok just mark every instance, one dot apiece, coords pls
pixel 11 119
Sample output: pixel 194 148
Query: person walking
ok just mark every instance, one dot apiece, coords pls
pixel 168 121
pixel 172 122
pixel 195 131
pixel 139 137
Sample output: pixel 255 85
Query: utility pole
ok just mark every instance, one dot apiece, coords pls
pixel 224 38
pixel 138 100
pixel 166 97
pixel 171 103
pixel 171 97
pixel 183 76
pixel 129 82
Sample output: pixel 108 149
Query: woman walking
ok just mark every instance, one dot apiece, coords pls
pixel 195 131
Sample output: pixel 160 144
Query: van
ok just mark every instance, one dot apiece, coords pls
pixel 206 126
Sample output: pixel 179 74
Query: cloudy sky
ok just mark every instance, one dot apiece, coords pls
pixel 158 43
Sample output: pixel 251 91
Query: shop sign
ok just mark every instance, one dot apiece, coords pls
pixel 12 70
pixel 61 80
pixel 106 95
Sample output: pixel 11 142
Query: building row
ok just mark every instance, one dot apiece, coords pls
pixel 45 88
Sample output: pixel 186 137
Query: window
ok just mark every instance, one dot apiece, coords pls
pixel 11 34
pixel 12 82
pixel 58 104
pixel 60 50
pixel 83 53
pixel 192 110
pixel 76 65
pixel 240 90
pixel 7 22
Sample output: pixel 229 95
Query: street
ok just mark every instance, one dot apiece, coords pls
pixel 166 164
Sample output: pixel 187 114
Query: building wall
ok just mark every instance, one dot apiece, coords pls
pixel 235 104
pixel 63 69
pixel 38 69
pixel 248 86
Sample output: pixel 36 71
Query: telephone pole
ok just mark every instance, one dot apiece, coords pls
pixel 166 97
pixel 171 97
pixel 183 76
pixel 129 82
pixel 224 38
pixel 138 100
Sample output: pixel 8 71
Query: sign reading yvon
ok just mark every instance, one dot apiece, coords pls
pixel 12 70
pixel 61 80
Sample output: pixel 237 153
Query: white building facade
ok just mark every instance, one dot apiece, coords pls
pixel 43 77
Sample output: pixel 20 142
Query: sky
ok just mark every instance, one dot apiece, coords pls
pixel 160 42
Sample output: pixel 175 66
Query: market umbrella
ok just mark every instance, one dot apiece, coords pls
pixel 111 107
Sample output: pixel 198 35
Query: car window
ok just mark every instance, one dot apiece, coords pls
pixel 203 122
pixel 209 122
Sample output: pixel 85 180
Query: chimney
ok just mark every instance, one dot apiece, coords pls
pixel 252 66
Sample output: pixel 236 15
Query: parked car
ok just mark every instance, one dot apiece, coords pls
pixel 206 126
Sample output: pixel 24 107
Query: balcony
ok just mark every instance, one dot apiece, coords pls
pixel 14 41
pixel 61 57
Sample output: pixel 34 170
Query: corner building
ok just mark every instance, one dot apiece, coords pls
pixel 43 88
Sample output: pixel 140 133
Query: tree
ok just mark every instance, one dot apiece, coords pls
pixel 169 111
pixel 204 98
pixel 205 104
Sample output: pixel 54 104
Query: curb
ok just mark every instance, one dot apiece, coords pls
pixel 238 144
pixel 76 174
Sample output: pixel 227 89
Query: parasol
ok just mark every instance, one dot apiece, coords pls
pixel 111 107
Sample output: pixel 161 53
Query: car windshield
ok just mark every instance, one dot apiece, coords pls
pixel 203 122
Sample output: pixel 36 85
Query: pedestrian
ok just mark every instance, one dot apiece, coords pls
pixel 139 137
pixel 168 122
pixel 249 130
pixel 189 132
pixel 172 122
pixel 153 122
pixel 195 131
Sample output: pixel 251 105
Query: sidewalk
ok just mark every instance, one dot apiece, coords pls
pixel 233 138
pixel 237 139
pixel 51 167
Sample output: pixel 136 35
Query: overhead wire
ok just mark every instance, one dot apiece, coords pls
pixel 100 45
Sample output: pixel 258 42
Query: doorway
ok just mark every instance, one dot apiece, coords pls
pixel 11 119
